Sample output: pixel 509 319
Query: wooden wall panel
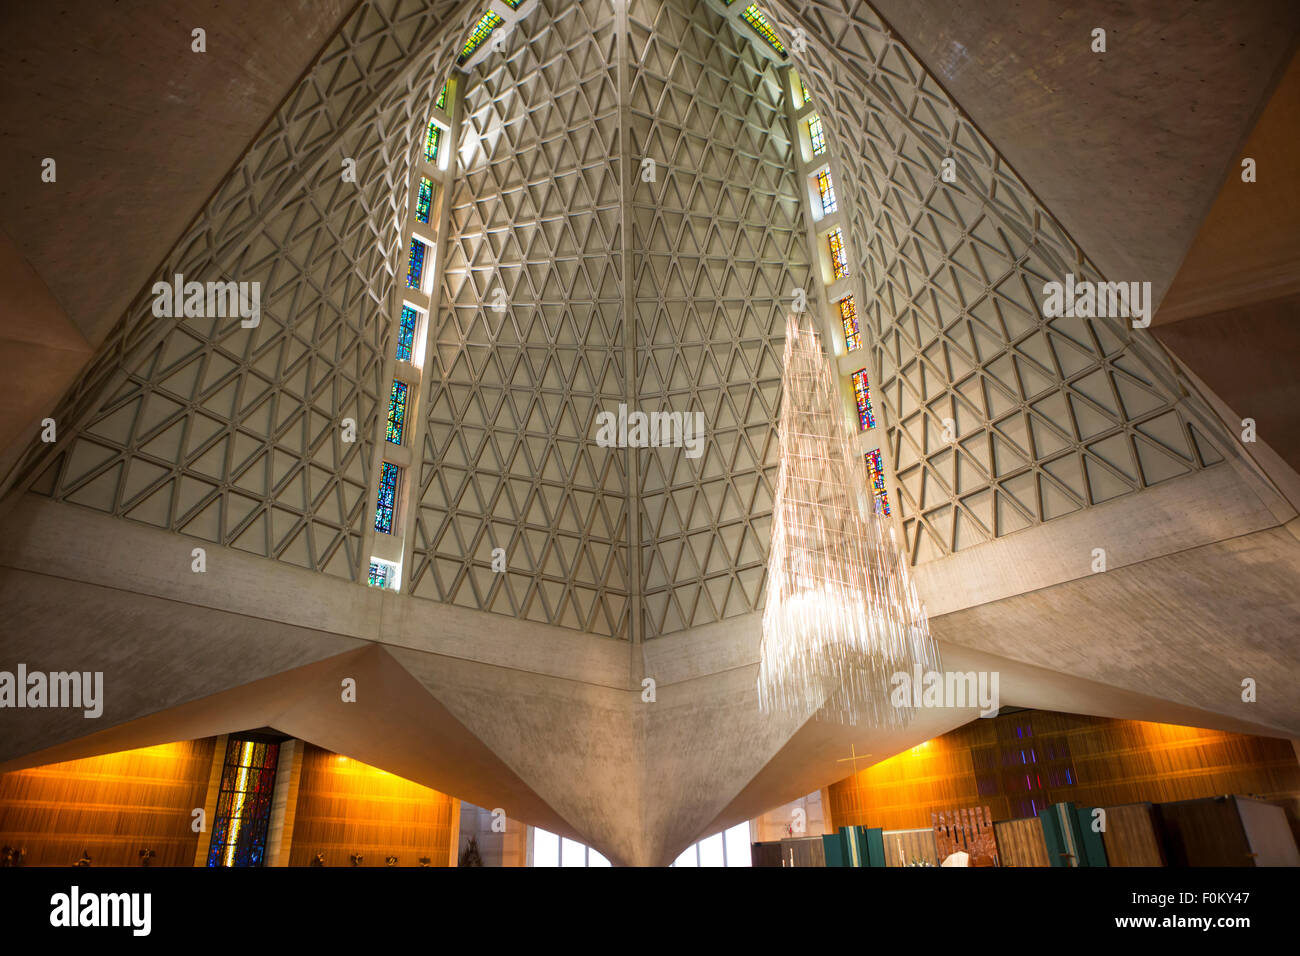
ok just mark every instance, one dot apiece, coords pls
pixel 799 851
pixel 904 846
pixel 1021 842
pixel 1019 763
pixel 900 793
pixel 1204 833
pixel 1130 836
pixel 346 807
pixel 111 807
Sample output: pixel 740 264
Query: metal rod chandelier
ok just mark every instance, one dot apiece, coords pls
pixel 842 616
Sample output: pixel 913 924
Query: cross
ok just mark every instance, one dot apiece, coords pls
pixel 854 756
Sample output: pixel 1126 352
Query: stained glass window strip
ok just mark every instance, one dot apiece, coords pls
pixel 817 135
pixel 763 27
pixel 849 319
pixel 383 574
pixel 876 473
pixel 826 189
pixel 513 4
pixel 431 140
pixel 243 804
pixel 806 97
pixel 839 258
pixel 406 333
pixel 486 24
pixel 862 394
pixel 389 476
pixel 396 413
pixel 441 101
pixel 423 200
pixel 415 265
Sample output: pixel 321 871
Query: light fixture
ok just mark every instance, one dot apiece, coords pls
pixel 842 616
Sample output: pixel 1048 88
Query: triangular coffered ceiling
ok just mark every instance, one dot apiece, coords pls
pixel 664 293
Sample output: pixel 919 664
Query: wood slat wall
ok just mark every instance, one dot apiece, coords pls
pixel 1204 833
pixel 111 806
pixel 1130 836
pixel 1019 763
pixel 1021 842
pixel 345 807
pixel 904 846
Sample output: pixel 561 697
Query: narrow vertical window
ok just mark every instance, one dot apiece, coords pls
pixel 805 96
pixel 423 200
pixel 482 30
pixel 441 101
pixel 849 319
pixel 383 574
pixel 388 480
pixel 817 136
pixel 415 265
pixel 431 142
pixel 839 258
pixel 826 189
pixel 406 333
pixel 862 394
pixel 763 27
pixel 877 475
pixel 396 413
pixel 243 804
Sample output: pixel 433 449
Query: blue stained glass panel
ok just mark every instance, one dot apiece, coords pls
pixel 415 265
pixel 406 333
pixel 423 200
pixel 388 479
pixel 396 413
pixel 383 574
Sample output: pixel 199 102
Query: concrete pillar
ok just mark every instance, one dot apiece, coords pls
pixel 210 800
pixel 284 803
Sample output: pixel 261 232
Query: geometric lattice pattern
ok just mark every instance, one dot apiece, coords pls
pixel 668 295
pixel 538 211
pixel 1048 416
pixel 720 243
pixel 510 459
pixel 232 434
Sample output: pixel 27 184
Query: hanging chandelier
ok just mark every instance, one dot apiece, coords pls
pixel 842 616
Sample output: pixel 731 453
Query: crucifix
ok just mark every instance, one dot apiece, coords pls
pixel 854 756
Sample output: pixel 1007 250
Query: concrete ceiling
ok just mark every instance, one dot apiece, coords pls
pixel 1233 312
pixel 186 433
pixel 142 128
pixel 1127 148
pixel 1247 249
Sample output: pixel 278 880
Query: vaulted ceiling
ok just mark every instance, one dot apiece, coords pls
pixel 524 688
